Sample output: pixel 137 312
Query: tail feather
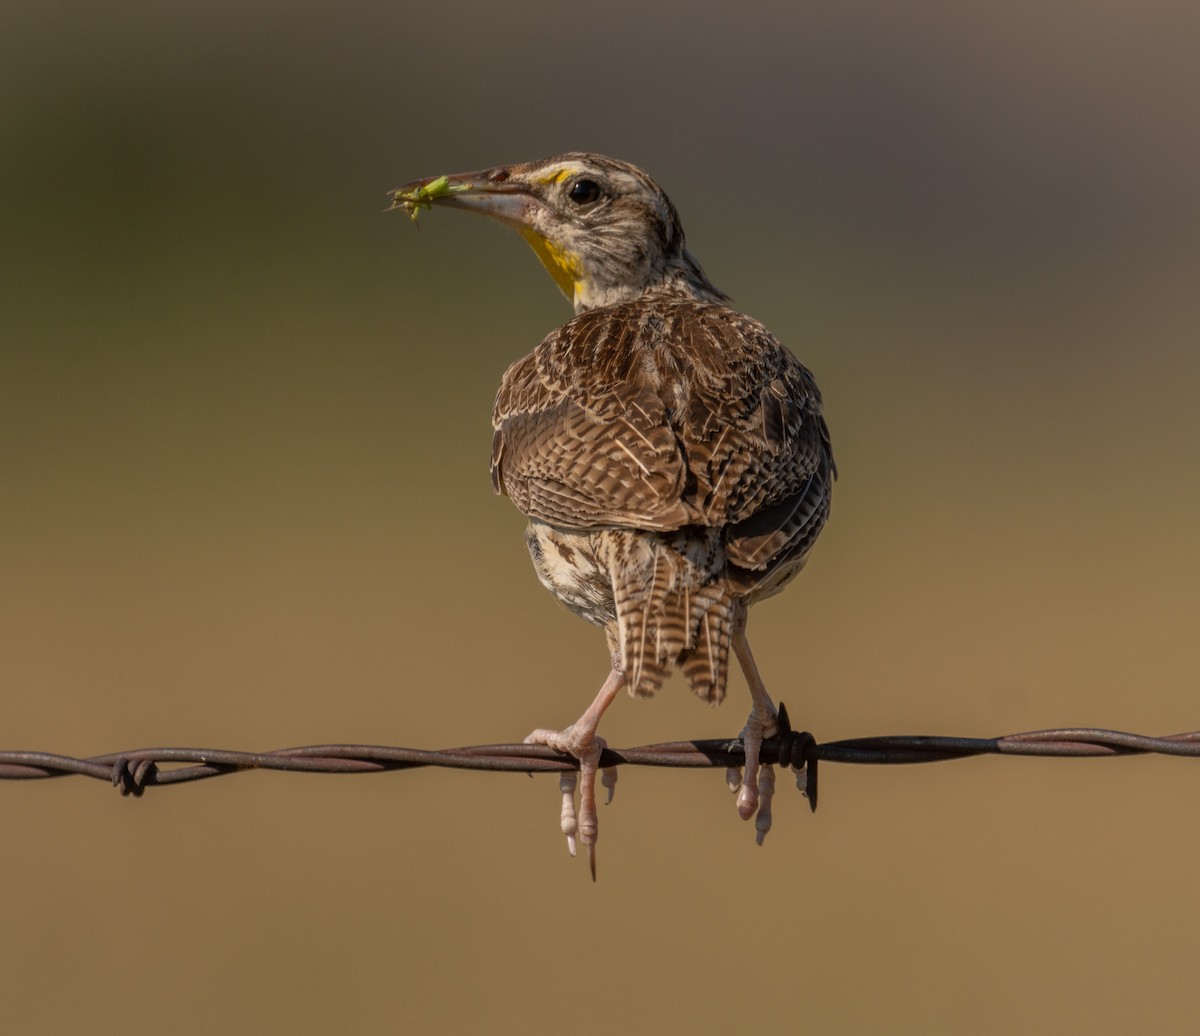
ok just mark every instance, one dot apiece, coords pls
pixel 673 610
pixel 706 663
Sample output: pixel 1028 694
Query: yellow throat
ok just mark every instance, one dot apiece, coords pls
pixel 563 266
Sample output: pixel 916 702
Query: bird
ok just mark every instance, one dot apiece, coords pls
pixel 670 454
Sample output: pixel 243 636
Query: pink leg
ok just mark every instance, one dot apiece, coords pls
pixel 581 741
pixel 756 789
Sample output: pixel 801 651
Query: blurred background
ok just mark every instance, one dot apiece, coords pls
pixel 244 436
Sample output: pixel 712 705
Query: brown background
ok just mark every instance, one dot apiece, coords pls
pixel 244 430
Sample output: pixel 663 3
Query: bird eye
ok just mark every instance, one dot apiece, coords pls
pixel 584 192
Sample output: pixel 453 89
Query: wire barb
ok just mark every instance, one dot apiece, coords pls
pixel 798 749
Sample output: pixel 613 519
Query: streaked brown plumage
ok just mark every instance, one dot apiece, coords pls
pixel 670 454
pixel 682 448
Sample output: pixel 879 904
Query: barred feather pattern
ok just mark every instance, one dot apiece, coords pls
pixel 659 597
pixel 674 463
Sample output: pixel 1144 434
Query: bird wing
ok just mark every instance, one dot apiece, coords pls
pixel 582 439
pixel 661 416
pixel 758 446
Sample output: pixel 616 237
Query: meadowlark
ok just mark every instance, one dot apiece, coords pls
pixel 669 452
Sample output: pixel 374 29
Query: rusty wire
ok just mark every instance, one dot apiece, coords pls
pixel 134 771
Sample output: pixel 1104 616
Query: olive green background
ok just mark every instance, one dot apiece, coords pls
pixel 244 432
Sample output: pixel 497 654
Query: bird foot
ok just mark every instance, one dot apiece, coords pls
pixel 755 785
pixel 582 825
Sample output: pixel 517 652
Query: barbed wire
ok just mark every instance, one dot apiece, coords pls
pixel 134 771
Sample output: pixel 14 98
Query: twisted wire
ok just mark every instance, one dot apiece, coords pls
pixel 134 771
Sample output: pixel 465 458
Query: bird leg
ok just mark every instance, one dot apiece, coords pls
pixel 581 741
pixel 757 787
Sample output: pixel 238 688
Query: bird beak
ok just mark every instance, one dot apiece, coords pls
pixel 495 194
pixel 488 192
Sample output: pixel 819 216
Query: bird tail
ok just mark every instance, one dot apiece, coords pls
pixel 673 611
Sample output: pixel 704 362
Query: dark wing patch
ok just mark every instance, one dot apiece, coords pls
pixel 766 473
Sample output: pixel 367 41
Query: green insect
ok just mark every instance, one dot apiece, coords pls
pixel 423 196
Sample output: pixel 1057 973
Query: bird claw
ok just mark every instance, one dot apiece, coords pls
pixel 747 798
pixel 766 792
pixel 608 778
pixel 567 821
pixel 756 787
pixel 580 826
pixel 733 778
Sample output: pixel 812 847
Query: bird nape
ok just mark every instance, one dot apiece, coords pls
pixel 670 454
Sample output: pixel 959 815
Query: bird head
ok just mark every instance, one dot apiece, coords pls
pixel 605 231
